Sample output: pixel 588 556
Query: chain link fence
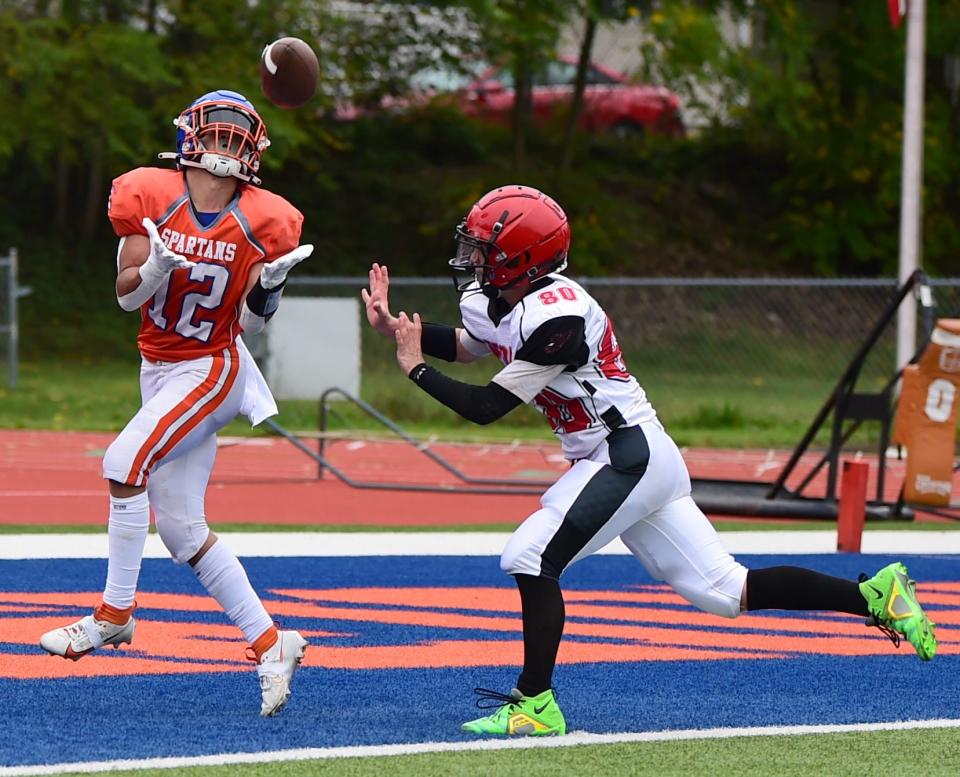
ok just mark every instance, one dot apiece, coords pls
pixel 718 352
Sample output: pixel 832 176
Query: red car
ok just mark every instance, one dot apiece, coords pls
pixel 611 103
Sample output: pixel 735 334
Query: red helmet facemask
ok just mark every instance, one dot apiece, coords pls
pixel 512 233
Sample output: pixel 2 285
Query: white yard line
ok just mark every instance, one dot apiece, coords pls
pixel 39 546
pixel 571 740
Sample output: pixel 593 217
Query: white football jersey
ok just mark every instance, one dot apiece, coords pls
pixel 562 356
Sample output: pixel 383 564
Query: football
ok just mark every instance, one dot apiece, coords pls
pixel 289 72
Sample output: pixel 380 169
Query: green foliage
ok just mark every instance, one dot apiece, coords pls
pixel 799 172
pixel 820 89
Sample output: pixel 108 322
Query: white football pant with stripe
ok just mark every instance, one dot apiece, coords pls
pixel 170 444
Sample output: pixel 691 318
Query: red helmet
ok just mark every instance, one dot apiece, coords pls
pixel 512 233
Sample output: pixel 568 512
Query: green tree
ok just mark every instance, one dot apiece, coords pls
pixel 817 92
pixel 523 37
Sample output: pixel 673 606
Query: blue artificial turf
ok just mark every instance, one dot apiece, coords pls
pixel 105 718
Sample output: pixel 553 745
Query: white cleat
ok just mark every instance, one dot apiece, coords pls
pixel 276 669
pixel 85 636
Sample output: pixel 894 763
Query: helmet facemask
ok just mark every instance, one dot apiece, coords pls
pixel 512 235
pixel 479 260
pixel 225 139
pixel 476 259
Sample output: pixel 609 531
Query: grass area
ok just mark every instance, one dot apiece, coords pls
pixel 700 409
pixel 927 751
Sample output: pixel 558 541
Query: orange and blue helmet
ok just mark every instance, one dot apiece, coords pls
pixel 222 133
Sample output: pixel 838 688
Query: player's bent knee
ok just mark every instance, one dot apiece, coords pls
pixel 512 560
pixel 519 558
pixel 183 537
pixel 719 595
pixel 523 554
pixel 116 463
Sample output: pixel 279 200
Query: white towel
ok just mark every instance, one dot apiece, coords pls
pixel 258 402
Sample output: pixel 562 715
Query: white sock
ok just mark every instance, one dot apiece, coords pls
pixel 126 534
pixel 221 574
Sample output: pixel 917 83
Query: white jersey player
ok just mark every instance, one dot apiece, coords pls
pixel 561 331
pixel 627 477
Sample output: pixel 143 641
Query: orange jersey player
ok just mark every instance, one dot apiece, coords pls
pixel 203 255
pixel 197 311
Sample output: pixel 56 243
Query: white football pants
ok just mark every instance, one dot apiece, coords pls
pixel 634 486
pixel 170 443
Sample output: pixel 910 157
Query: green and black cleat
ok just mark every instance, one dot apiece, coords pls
pixel 892 602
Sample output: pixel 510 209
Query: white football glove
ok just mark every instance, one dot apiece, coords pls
pixel 274 273
pixel 163 259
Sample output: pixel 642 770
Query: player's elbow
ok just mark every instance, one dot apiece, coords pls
pixel 127 302
pixel 250 322
pixel 491 403
pixel 464 356
pixel 487 417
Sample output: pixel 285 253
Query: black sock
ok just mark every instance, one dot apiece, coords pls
pixel 795 588
pixel 543 615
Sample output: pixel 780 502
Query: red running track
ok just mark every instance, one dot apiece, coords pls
pixel 54 478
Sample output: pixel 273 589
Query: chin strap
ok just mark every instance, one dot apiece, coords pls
pixel 216 163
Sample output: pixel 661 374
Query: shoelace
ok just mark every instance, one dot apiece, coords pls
pixel 498 699
pixel 874 622
pixel 75 630
pixel 894 637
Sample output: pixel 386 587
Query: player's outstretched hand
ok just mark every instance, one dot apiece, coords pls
pixel 274 273
pixel 375 301
pixel 409 353
pixel 164 259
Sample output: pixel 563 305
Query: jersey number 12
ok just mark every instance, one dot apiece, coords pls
pixel 215 277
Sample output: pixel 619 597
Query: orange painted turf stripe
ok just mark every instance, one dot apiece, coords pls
pixel 179 645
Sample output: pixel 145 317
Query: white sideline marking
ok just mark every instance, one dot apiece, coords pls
pixel 250 544
pixel 366 751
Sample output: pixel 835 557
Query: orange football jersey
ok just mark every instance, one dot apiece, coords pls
pixel 196 312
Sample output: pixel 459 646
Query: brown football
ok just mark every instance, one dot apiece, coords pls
pixel 289 72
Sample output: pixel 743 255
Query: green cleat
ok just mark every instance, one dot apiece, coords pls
pixel 892 602
pixel 519 715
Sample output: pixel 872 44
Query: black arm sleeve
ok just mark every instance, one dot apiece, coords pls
pixel 560 340
pixel 480 404
pixel 439 341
